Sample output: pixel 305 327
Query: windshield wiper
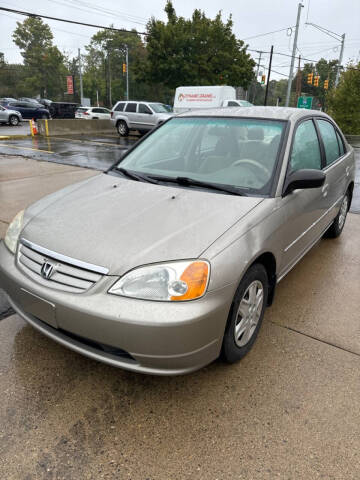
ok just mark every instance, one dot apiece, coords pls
pixel 136 176
pixel 186 181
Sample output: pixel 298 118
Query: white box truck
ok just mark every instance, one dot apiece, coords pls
pixel 195 98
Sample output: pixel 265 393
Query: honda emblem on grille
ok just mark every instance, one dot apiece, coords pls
pixel 47 270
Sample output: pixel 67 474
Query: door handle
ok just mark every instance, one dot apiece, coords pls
pixel 325 189
pixel 347 170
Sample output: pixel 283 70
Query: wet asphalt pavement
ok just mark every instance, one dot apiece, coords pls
pixel 98 152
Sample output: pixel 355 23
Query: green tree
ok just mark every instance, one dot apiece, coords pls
pixel 104 61
pixel 343 101
pixel 44 62
pixel 198 51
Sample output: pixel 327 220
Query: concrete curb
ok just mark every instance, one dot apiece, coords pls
pixel 13 137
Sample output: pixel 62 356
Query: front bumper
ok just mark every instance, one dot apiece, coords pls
pixel 157 338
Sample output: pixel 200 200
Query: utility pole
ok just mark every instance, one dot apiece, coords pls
pixel 257 74
pixel 127 72
pixel 109 75
pixel 80 75
pixel 269 73
pixel 300 6
pixel 340 60
pixel 298 81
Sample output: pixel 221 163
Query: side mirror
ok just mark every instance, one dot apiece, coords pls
pixel 306 178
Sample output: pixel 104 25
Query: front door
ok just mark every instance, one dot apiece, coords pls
pixel 304 210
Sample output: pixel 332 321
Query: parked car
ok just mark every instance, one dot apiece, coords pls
pixel 62 109
pixel 28 99
pixel 12 117
pixel 141 116
pixel 170 258
pixel 28 110
pixel 5 100
pixel 92 113
pixel 237 103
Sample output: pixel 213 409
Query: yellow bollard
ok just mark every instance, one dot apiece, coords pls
pixel 31 128
pixel 46 127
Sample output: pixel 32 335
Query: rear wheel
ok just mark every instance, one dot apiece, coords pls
pixel 122 129
pixel 338 224
pixel 246 314
pixel 44 116
pixel 14 120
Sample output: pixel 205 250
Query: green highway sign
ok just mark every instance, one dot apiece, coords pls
pixel 305 102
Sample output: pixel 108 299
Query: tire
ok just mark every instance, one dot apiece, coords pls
pixel 44 116
pixel 122 128
pixel 14 120
pixel 243 325
pixel 337 226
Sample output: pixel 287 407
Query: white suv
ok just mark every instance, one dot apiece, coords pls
pixel 92 113
pixel 141 116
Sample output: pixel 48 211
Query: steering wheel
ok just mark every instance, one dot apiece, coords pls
pixel 254 165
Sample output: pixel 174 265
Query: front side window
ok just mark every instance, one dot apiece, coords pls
pixel 144 109
pixel 131 107
pixel 237 152
pixel 232 103
pixel 331 145
pixel 306 149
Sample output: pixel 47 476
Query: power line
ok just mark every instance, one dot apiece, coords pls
pixel 35 15
pixel 268 33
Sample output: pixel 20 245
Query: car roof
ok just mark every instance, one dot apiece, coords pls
pixel 273 113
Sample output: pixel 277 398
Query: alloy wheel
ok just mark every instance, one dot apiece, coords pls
pixel 248 313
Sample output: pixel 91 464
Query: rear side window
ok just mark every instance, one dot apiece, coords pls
pixel 331 145
pixel 341 144
pixel 306 149
pixel 131 107
pixel 120 107
pixel 233 104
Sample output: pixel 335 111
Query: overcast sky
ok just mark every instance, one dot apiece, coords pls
pixel 250 19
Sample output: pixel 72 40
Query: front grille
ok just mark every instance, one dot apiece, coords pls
pixel 65 276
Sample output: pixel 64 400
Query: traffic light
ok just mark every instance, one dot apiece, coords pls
pixel 326 84
pixel 124 67
pixel 263 78
pixel 310 78
pixel 316 81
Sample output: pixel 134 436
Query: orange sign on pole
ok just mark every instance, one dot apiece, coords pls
pixel 70 84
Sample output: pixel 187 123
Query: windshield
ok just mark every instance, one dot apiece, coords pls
pixel 237 152
pixel 158 108
pixel 245 103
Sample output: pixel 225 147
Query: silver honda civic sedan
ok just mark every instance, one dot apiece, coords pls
pixel 169 259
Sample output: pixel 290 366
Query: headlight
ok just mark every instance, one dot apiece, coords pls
pixel 13 232
pixel 174 281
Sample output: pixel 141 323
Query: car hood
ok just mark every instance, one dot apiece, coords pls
pixel 120 224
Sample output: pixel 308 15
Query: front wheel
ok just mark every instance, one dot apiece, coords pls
pixel 337 226
pixel 14 120
pixel 122 129
pixel 246 314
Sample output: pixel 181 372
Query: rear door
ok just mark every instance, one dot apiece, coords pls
pixel 303 210
pixel 337 165
pixel 130 112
